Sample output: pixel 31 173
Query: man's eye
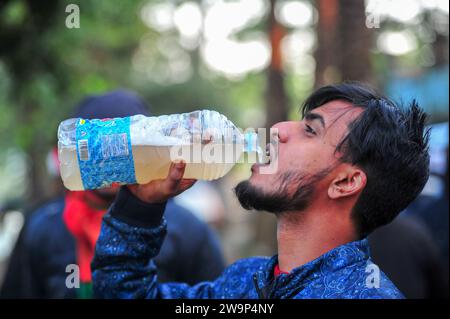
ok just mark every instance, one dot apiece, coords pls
pixel 308 129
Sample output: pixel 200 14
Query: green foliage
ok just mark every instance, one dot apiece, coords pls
pixel 14 13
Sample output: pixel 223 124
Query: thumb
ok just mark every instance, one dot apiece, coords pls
pixel 176 172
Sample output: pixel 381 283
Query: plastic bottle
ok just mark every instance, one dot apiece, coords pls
pixel 137 149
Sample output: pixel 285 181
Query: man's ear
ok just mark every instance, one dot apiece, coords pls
pixel 347 183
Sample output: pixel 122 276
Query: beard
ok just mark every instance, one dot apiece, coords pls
pixel 283 199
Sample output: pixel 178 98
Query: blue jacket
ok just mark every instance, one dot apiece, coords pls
pixel 133 232
pixel 37 268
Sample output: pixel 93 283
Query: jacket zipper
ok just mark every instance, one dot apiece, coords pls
pixel 258 290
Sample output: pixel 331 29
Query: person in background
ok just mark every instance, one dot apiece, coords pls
pixel 406 252
pixel 435 217
pixel 64 231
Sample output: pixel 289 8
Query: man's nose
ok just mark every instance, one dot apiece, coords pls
pixel 283 131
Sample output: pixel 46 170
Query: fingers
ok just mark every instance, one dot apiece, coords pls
pixel 186 184
pixel 174 177
pixel 162 189
pixel 174 183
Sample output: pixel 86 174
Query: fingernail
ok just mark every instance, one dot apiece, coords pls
pixel 179 165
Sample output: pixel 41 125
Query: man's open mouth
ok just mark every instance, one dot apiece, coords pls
pixel 269 156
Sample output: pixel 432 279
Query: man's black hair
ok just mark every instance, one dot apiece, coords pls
pixel 389 142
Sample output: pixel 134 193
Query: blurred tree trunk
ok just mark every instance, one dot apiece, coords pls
pixel 440 50
pixel 276 111
pixel 276 107
pixel 344 42
pixel 325 55
pixel 354 42
pixel 440 45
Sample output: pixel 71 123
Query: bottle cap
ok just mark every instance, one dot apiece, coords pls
pixel 250 141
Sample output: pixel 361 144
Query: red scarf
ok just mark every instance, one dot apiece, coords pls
pixel 84 224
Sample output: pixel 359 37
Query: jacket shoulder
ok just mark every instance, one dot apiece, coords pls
pixel 368 282
pixel 44 221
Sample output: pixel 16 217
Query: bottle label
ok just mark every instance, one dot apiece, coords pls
pixel 104 152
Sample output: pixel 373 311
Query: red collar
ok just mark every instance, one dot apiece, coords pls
pixel 277 271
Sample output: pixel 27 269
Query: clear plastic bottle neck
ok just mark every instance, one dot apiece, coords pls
pixel 250 142
pixel 251 145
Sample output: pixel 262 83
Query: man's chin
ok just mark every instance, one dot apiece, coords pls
pixel 251 196
pixel 245 192
pixel 269 192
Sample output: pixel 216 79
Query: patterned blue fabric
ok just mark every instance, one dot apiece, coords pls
pixel 123 267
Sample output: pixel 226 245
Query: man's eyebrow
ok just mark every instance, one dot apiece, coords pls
pixel 314 116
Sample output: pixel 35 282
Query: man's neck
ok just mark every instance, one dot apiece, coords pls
pixel 306 235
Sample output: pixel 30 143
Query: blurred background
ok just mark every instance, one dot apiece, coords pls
pixel 253 60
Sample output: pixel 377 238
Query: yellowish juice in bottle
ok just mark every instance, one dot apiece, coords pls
pixel 206 162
